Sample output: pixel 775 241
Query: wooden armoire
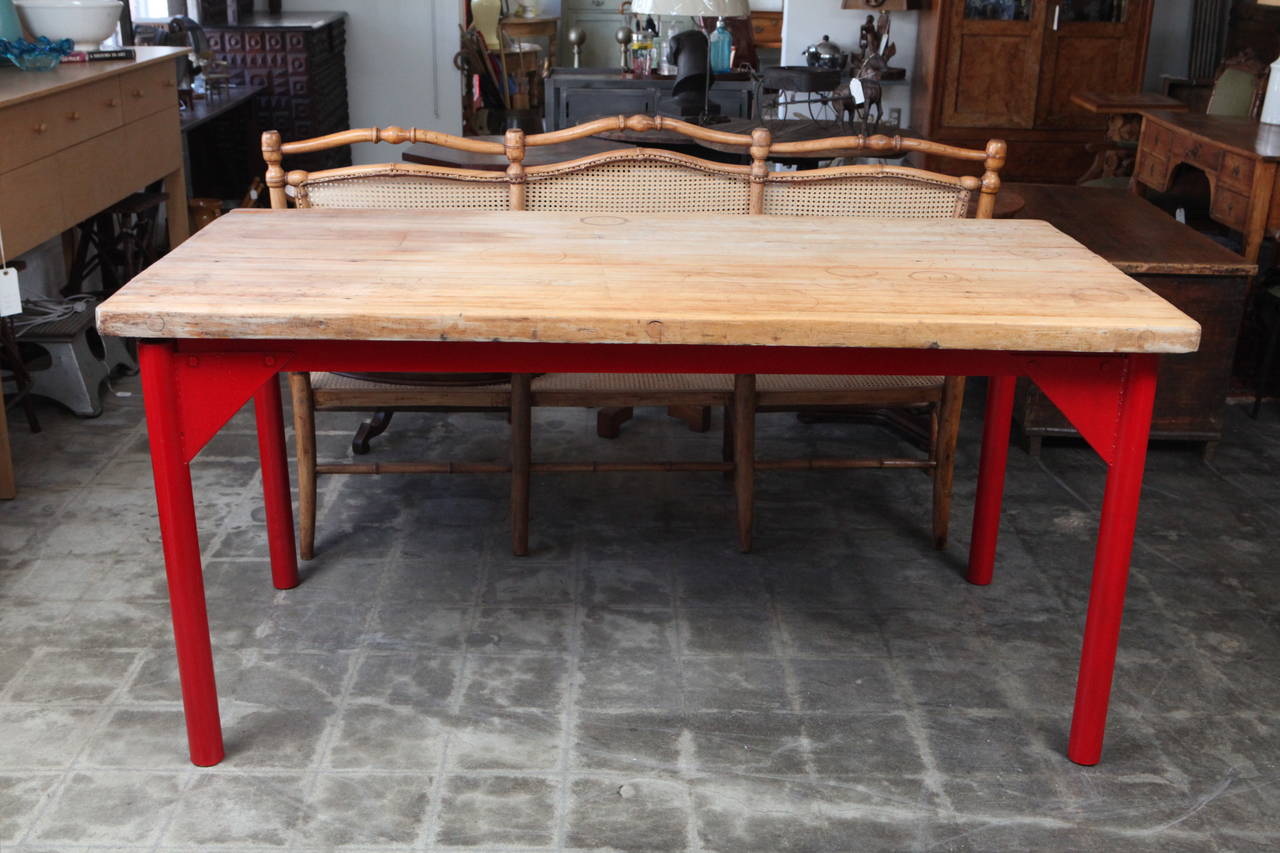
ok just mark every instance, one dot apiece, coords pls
pixel 1006 69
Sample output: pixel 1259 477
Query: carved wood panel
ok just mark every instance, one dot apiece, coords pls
pixel 305 80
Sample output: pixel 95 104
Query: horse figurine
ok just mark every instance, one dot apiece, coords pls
pixel 876 53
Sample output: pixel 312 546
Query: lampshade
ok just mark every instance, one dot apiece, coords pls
pixel 709 8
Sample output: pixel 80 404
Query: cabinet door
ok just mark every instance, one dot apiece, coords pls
pixel 993 63
pixel 1094 45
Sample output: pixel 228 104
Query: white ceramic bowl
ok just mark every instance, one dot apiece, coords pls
pixel 86 22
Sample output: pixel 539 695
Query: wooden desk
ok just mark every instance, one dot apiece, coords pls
pixel 1197 275
pixel 77 139
pixel 254 294
pixel 1244 193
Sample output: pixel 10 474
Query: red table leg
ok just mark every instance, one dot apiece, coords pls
pixel 1111 561
pixel 275 485
pixel 176 509
pixel 991 468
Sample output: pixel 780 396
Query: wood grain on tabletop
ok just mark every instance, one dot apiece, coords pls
pixel 580 278
pixel 1238 133
pixel 1128 230
pixel 1125 102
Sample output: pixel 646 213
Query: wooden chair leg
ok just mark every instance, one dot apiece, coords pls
pixel 8 485
pixel 521 459
pixel 610 419
pixel 697 418
pixel 944 454
pixel 744 454
pixel 304 441
pixel 726 443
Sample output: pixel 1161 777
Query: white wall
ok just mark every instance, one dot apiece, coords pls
pixel 399 64
pixel 807 21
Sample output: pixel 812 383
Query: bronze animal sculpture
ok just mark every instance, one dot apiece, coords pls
pixel 876 53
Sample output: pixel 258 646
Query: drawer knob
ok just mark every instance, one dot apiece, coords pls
pixel 168 84
pixel 73 116
pixel 41 127
pixel 112 102
pixel 137 93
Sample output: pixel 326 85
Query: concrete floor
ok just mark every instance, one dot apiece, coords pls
pixel 636 684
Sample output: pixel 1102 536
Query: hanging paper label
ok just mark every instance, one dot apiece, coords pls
pixel 10 296
pixel 855 91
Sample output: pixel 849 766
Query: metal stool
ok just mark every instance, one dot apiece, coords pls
pixel 78 361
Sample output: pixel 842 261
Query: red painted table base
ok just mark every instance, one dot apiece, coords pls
pixel 193 387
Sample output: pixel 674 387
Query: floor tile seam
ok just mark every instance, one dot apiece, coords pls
pixel 426 840
pixel 76 492
pixel 913 719
pixel 224 528
pixel 17 677
pixel 188 781
pixel 102 714
pixel 1201 660
pixel 692 826
pixel 323 751
pixel 780 642
pixel 569 712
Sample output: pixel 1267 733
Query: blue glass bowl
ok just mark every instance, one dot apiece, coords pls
pixel 40 55
pixel 35 61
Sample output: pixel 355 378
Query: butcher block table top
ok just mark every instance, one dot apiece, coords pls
pixel 573 278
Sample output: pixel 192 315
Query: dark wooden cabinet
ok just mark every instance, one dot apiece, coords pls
pixel 299 60
pixel 1201 278
pixel 1007 69
pixel 577 95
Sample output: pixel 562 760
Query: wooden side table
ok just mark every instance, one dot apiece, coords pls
pixel 1197 275
pixel 1124 124
pixel 512 30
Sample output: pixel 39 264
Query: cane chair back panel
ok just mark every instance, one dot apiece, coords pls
pixel 638 186
pixel 395 189
pixel 871 194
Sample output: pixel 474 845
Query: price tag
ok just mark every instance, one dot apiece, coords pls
pixel 10 296
pixel 855 91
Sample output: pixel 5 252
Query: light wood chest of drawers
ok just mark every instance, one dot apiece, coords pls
pixel 77 139
pixel 81 137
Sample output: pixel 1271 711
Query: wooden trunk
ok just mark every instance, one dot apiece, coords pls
pixel 1201 278
pixel 978 78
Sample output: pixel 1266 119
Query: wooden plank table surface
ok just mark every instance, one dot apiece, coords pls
pixel 426 275
pixel 257 293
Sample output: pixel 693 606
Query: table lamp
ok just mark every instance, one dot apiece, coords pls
pixel 690 51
